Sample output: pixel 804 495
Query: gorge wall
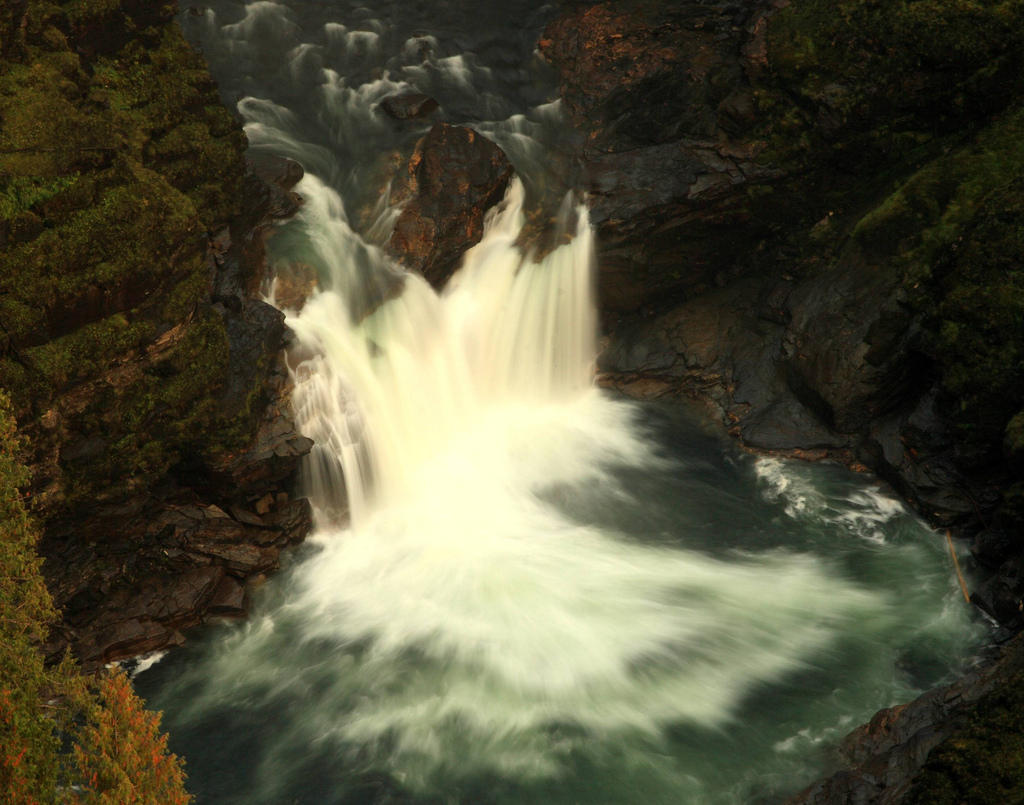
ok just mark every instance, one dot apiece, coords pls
pixel 141 368
pixel 809 217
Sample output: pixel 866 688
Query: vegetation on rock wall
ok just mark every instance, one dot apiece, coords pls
pixel 857 95
pixel 983 762
pixel 119 755
pixel 903 119
pixel 872 82
pixel 956 230
pixel 116 161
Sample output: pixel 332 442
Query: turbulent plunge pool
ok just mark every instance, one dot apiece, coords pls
pixel 542 594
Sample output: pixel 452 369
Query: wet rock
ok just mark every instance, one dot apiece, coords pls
pixel 273 457
pixel 884 758
pixel 408 105
pixel 718 349
pixel 126 639
pixel 294 520
pixel 848 346
pixel 269 181
pixel 181 600
pixel 993 546
pixel 293 285
pixel 1000 594
pixel 278 171
pixel 239 559
pixel 453 177
pixel 175 563
pixel 661 92
pixel 229 599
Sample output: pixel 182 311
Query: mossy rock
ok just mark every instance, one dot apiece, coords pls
pixel 870 82
pixel 855 96
pixel 116 161
pixel 982 763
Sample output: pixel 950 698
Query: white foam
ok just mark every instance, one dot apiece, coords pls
pixel 449 416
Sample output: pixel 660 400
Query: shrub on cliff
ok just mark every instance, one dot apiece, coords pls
pixel 28 743
pixel 119 756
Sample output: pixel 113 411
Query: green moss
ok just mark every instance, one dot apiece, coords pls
pixel 866 79
pixel 167 412
pixel 977 312
pixel 86 352
pixel 22 193
pixel 1013 438
pixel 858 95
pixel 954 230
pixel 79 11
pixel 929 211
pixel 116 160
pixel 982 763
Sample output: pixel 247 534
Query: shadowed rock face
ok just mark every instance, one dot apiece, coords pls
pixel 662 92
pixel 168 567
pixel 143 370
pixel 823 242
pixel 452 178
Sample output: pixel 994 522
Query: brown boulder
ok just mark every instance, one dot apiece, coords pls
pixel 140 575
pixel 452 178
pixel 229 599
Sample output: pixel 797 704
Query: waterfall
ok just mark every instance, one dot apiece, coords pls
pixel 519 587
pixel 456 421
pixel 384 393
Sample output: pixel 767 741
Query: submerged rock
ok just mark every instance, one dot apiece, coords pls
pixel 408 105
pixel 453 177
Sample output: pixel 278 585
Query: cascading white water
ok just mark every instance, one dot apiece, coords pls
pixel 508 337
pixel 520 589
pixel 450 416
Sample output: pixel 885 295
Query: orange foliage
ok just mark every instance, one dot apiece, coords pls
pixel 122 755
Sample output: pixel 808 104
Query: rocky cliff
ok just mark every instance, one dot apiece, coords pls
pixel 809 218
pixel 141 367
